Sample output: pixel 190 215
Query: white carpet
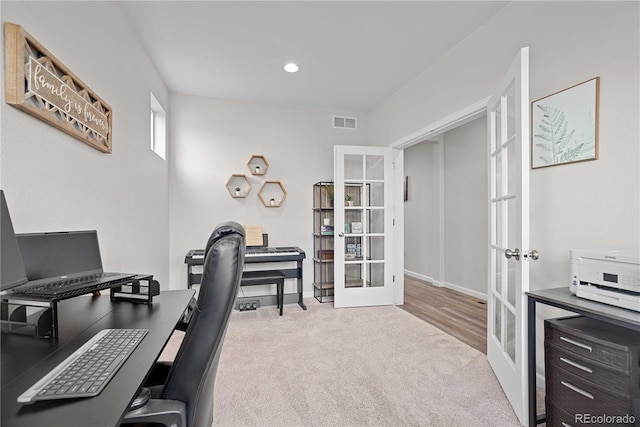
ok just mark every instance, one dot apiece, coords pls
pixel 372 366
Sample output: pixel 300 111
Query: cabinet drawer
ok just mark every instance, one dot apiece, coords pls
pixel 557 417
pixel 577 396
pixel 592 371
pixel 607 344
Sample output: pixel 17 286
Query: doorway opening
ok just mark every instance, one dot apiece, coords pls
pixel 445 238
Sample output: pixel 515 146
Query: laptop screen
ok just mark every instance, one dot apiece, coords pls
pixel 11 266
pixel 48 255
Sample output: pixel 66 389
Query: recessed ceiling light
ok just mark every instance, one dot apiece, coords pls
pixel 291 67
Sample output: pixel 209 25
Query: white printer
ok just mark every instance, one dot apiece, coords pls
pixel 606 275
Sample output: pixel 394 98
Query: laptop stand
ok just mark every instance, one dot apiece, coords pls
pixel 140 289
pixel 38 317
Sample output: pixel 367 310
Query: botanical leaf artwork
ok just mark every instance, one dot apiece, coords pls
pixel 565 126
pixel 557 140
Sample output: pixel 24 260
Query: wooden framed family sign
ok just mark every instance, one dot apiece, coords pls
pixel 37 83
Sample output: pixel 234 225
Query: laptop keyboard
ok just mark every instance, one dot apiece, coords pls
pixel 68 282
pixel 70 287
pixel 89 369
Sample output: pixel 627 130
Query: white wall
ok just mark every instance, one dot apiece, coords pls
pixel 211 139
pixel 420 211
pixel 53 181
pixel 578 205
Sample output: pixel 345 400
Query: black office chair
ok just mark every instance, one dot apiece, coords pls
pixel 186 396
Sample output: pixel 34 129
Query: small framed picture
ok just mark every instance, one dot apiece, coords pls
pixel 356 227
pixel 406 188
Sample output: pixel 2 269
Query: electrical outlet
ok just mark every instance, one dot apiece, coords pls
pixel 248 305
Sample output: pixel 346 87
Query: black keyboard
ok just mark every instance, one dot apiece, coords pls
pixel 87 371
pixel 271 250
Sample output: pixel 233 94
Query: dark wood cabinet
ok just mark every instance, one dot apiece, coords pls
pixel 592 369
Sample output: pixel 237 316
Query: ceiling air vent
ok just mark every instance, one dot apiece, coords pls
pixel 344 122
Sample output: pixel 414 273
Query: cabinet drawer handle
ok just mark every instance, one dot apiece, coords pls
pixel 577 344
pixel 576 365
pixel 577 390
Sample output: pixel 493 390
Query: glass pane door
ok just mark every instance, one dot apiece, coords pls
pixel 363 250
pixel 508 135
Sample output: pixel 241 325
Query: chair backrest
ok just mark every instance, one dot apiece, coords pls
pixel 192 375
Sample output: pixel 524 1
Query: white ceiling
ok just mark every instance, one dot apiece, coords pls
pixel 352 54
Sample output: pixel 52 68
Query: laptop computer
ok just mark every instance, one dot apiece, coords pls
pixel 64 264
pixel 12 272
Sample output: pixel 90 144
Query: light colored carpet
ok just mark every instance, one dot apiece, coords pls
pixel 372 366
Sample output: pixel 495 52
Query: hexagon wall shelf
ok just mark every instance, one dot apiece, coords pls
pixel 272 194
pixel 258 165
pixel 238 186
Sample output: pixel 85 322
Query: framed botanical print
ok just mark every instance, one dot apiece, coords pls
pixel 564 126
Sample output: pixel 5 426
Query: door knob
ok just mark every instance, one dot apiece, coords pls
pixel 508 253
pixel 341 234
pixel 534 255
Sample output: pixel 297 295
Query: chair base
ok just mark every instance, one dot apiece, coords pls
pixel 170 413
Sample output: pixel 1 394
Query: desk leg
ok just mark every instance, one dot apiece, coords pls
pixel 300 302
pixel 531 369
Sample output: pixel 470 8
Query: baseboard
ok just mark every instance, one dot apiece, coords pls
pixel 448 285
pixel 424 278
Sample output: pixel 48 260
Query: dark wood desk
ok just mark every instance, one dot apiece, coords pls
pixel 26 359
pixel 564 299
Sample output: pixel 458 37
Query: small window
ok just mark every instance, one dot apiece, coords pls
pixel 158 128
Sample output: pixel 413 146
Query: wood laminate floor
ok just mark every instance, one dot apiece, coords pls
pixel 461 316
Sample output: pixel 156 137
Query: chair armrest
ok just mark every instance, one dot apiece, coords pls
pixel 163 411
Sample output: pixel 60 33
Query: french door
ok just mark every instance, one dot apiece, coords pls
pixel 363 181
pixel 509 254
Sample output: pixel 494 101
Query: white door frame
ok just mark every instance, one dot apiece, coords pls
pixel 431 131
pixel 398 226
pixel 459 118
